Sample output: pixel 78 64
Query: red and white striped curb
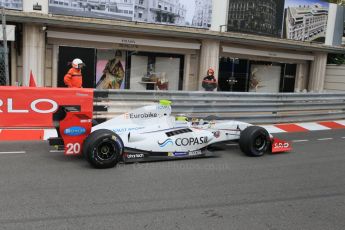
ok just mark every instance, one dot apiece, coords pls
pixel 44 134
pixel 305 127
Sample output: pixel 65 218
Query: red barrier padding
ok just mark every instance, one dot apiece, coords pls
pixel 21 135
pixel 33 106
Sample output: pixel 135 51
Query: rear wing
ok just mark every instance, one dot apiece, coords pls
pixel 73 127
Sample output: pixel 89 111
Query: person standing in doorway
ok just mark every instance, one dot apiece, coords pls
pixel 74 78
pixel 209 82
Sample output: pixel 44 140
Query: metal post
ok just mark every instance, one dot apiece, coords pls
pixel 232 74
pixel 4 38
pixel 233 67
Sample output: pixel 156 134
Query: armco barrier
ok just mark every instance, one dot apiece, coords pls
pixel 22 107
pixel 26 113
pixel 256 108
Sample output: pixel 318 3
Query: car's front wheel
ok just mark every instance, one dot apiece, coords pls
pixel 254 141
pixel 103 149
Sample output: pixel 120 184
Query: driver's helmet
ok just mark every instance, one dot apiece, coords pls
pixel 181 118
pixel 77 63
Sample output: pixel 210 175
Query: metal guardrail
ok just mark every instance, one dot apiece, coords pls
pixel 256 108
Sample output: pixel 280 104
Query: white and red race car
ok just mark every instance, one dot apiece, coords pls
pixel 152 133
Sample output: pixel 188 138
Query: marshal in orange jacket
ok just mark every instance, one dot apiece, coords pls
pixel 73 79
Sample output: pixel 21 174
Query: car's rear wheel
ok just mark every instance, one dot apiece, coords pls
pixel 103 149
pixel 254 141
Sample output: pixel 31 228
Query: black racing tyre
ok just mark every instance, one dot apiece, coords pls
pixel 254 141
pixel 103 149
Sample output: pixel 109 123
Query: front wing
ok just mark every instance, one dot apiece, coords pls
pixel 280 146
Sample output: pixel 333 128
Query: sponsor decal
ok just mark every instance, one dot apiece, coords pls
pixel 135 156
pixel 34 106
pixel 162 107
pixel 128 41
pixel 184 141
pixel 75 131
pixel 281 145
pixel 165 143
pixel 191 141
pixel 122 130
pixel 140 115
pixel 86 121
pixel 195 153
pixel 82 94
pixel 216 134
pixel 180 154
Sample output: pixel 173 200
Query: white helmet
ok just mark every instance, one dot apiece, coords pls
pixel 77 63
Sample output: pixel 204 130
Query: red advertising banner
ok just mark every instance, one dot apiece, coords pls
pixel 33 107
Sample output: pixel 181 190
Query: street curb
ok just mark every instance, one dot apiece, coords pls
pixel 305 126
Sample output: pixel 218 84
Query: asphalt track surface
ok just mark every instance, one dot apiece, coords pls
pixel 304 189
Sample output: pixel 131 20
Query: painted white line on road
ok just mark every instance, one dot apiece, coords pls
pixel 13 152
pixel 56 151
pixel 325 139
pixel 297 141
pixel 343 137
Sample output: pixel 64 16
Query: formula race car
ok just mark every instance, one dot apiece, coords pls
pixel 152 133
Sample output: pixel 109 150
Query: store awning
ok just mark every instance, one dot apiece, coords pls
pixel 265 53
pixel 10 35
pixel 123 40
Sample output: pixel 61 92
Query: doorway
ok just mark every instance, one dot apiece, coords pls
pixel 243 75
pixel 233 75
pixel 87 55
pixel 288 78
